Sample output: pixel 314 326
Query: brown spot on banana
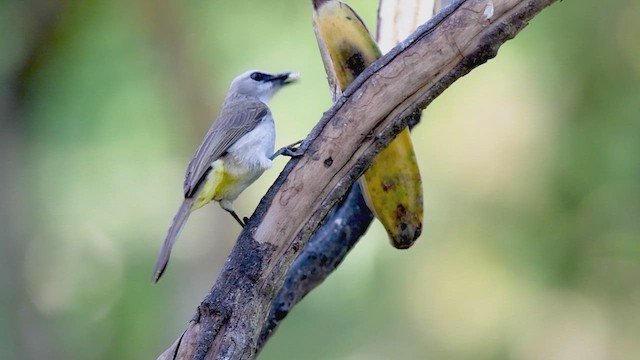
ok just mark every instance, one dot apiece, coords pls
pixel 392 186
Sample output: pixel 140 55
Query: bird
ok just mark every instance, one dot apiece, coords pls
pixel 236 150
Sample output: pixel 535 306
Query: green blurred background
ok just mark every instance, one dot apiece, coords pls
pixel 531 170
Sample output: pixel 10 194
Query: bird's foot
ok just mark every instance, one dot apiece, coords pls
pixel 236 217
pixel 292 150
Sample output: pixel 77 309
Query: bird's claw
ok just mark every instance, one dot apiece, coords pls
pixel 292 150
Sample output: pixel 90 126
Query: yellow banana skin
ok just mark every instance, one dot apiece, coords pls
pixel 392 186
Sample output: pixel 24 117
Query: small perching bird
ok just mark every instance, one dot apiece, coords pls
pixel 237 149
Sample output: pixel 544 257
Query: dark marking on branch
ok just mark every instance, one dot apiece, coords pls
pixel 232 322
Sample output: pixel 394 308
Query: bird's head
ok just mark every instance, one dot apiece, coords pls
pixel 260 84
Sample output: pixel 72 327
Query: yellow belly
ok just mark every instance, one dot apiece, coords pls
pixel 225 182
pixel 216 186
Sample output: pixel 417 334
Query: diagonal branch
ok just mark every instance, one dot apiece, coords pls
pixel 338 150
pixel 326 249
pixel 344 226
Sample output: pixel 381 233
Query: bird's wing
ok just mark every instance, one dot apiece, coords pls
pixel 235 120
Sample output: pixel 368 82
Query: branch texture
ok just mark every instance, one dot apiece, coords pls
pixel 337 151
pixel 325 250
pixel 343 228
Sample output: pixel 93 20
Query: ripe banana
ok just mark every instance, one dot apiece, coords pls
pixel 392 186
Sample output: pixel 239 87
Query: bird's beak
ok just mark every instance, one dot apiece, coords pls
pixel 285 78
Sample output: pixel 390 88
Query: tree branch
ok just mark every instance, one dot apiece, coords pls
pixel 337 152
pixel 344 227
pixel 326 249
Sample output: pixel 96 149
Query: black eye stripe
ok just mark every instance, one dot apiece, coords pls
pixel 258 76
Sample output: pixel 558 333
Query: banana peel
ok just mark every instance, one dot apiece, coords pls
pixel 392 186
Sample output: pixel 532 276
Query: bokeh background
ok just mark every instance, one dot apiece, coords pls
pixel 531 170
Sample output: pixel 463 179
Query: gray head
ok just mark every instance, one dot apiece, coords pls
pixel 259 84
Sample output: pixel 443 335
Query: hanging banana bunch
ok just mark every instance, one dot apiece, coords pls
pixel 392 186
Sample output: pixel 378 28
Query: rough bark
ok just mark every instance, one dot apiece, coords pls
pixel 326 249
pixel 335 238
pixel 337 151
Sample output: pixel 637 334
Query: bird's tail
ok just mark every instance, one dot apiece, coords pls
pixel 176 226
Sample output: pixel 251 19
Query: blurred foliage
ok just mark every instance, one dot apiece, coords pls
pixel 531 168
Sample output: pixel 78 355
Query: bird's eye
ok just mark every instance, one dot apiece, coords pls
pixel 257 76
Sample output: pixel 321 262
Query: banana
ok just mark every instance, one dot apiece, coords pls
pixel 392 186
pixel 397 19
